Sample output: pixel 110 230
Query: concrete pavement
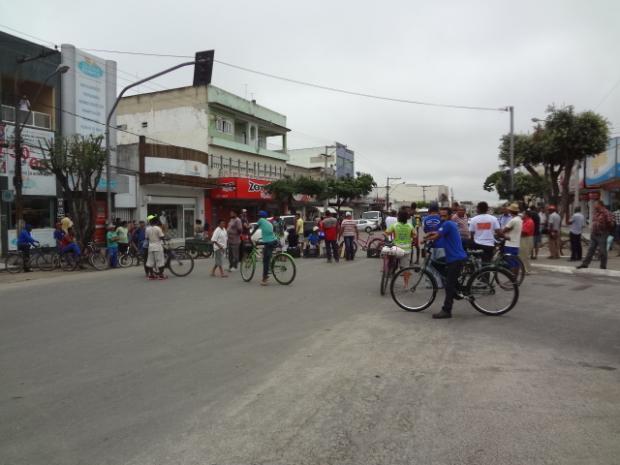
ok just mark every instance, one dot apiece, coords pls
pixel 107 368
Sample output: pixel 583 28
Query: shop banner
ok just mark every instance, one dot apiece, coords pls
pixel 241 189
pixel 603 167
pixel 34 142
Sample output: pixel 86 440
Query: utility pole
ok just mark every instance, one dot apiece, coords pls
pixel 387 191
pixel 325 159
pixel 424 192
pixel 511 109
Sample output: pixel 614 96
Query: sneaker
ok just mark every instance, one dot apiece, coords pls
pixel 161 277
pixel 152 278
pixel 442 314
pixel 582 266
pixel 264 282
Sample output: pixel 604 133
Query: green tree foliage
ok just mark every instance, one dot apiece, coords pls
pixel 550 153
pixel 77 163
pixel 526 185
pixel 284 189
pixel 343 190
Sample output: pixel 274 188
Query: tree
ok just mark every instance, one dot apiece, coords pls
pixel 77 163
pixel 526 185
pixel 283 190
pixel 343 190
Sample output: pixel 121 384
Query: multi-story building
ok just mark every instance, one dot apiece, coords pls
pixel 326 161
pixel 245 142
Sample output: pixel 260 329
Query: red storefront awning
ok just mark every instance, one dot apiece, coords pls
pixel 241 189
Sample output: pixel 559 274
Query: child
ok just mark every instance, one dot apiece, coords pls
pixel 220 242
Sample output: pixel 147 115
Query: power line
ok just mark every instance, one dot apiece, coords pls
pixel 310 84
pixel 607 95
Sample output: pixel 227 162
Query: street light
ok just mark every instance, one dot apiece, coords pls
pixel 17 178
pixel 387 191
pixel 109 118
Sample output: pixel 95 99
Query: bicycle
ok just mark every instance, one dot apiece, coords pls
pixel 374 244
pixel 282 265
pixel 491 290
pixel 40 257
pixel 389 265
pixel 179 262
pixel 511 262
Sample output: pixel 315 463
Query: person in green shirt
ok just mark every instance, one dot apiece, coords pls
pixel 112 246
pixel 403 235
pixel 269 239
pixel 123 238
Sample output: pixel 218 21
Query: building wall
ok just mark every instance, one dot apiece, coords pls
pixel 407 193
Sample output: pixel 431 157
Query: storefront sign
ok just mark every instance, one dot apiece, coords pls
pixel 604 166
pixel 175 166
pixel 34 142
pixel 594 195
pixel 90 93
pixel 241 189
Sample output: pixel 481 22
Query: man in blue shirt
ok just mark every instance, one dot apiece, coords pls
pixel 448 234
pixel 24 242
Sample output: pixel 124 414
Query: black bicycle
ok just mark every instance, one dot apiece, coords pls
pixel 39 257
pixel 492 290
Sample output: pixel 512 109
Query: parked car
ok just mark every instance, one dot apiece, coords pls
pixel 366 225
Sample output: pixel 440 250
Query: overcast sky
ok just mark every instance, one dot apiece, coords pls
pixel 490 53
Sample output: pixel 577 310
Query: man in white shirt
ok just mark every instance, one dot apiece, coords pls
pixel 576 222
pixel 554 221
pixel 512 233
pixel 155 261
pixel 220 243
pixel 483 228
pixel 391 219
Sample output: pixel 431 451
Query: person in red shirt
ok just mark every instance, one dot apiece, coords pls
pixel 329 226
pixel 527 240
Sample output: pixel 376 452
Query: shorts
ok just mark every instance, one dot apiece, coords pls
pixel 404 261
pixel 219 257
pixel 537 240
pixel 155 259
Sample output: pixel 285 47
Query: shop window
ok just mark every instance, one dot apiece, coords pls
pixel 37 211
pixel 169 216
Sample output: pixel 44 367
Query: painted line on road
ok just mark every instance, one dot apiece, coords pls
pixel 577 272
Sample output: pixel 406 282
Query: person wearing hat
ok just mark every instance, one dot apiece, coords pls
pixel 270 241
pixel 348 230
pixel 24 242
pixel 554 222
pixel 512 233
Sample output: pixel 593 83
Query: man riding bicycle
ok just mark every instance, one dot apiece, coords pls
pixel 268 239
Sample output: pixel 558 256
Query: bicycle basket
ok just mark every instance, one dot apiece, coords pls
pixel 393 250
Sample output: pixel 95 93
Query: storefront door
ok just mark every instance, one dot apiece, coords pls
pixel 189 216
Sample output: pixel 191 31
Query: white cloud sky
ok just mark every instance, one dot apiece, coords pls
pixel 484 53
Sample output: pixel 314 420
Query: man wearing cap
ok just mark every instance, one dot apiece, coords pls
pixel 554 222
pixel 24 242
pixel 348 230
pixel 512 233
pixel 329 226
pixel 270 241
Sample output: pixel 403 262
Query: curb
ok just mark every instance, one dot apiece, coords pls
pixel 575 271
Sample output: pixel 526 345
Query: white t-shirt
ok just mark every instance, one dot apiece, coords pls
pixel 513 237
pixel 389 221
pixel 484 227
pixel 154 235
pixel 219 239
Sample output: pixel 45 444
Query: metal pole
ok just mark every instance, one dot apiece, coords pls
pixel 387 194
pixel 107 130
pixel 512 152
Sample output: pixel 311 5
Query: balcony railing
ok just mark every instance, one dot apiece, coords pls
pixel 35 119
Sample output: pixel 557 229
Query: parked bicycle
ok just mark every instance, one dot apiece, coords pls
pixel 282 265
pixel 179 262
pixel 389 264
pixel 372 243
pixel 40 257
pixel 491 290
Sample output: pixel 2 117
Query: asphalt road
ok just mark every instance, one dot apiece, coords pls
pixel 107 368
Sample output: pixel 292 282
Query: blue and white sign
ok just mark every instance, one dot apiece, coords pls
pixel 90 93
pixel 603 167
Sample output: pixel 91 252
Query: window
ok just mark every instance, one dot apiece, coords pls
pixel 145 124
pixel 224 125
pixel 37 211
pixel 252 132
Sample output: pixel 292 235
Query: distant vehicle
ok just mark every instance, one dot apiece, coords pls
pixel 373 215
pixel 366 225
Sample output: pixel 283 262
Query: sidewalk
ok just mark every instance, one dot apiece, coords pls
pixel 564 266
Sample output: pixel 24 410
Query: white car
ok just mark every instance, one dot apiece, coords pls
pixel 366 225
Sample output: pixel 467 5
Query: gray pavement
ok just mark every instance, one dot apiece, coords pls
pixel 107 368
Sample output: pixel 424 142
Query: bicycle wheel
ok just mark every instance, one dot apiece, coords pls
pixel 376 243
pixel 99 260
pixel 180 263
pixel 191 251
pixel 413 289
pixel 47 261
pixel 14 263
pixel 69 261
pixel 514 265
pixel 385 269
pixel 283 268
pixel 248 267
pixel 125 260
pixel 493 291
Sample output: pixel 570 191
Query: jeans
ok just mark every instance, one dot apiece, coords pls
pixel 575 246
pixel 331 248
pixel 453 270
pixel 113 256
pixel 597 241
pixel 73 247
pixel 349 251
pixel 267 253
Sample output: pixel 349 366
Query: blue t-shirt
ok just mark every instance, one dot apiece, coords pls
pixel 431 223
pixel 451 242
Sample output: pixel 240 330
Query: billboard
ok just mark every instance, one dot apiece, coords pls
pixel 603 167
pixel 241 189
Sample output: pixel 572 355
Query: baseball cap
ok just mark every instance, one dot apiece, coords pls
pixel 263 214
pixel 347 214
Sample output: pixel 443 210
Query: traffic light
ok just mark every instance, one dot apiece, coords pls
pixel 203 68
